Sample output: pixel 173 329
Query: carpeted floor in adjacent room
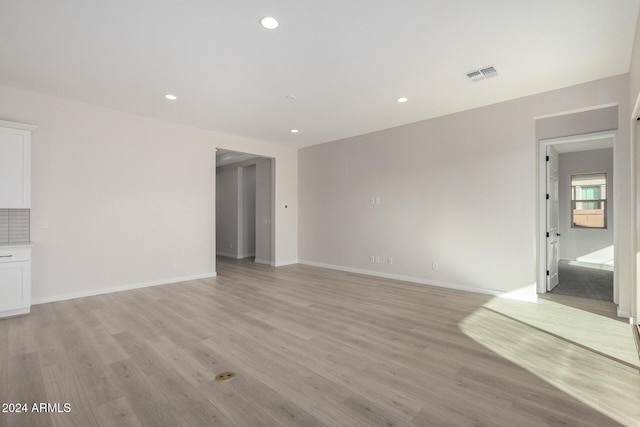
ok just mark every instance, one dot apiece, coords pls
pixel 584 282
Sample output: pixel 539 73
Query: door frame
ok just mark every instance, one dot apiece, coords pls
pixel 542 205
pixel 272 197
pixel 555 198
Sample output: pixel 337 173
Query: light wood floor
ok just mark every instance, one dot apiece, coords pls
pixel 310 347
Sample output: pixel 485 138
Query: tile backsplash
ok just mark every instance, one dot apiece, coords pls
pixel 15 226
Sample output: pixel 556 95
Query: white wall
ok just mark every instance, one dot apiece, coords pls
pixel 129 200
pixel 634 73
pixel 578 242
pixel 264 214
pixel 634 107
pixel 459 191
pixel 578 122
pixel 227 212
pixel 249 210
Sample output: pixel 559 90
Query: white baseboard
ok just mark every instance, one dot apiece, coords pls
pixel 275 264
pixel 235 256
pixel 228 255
pixel 624 314
pixel 15 312
pixel 103 291
pixel 283 263
pixel 412 279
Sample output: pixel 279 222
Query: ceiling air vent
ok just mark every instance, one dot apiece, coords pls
pixel 482 73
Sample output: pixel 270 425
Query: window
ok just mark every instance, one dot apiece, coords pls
pixel 589 201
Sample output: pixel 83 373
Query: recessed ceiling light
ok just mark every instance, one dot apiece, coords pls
pixel 402 99
pixel 171 97
pixel 294 131
pixel 269 23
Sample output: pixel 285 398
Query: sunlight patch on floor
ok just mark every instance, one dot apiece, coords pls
pixel 547 339
pixel 607 336
pixel 593 266
pixel 602 258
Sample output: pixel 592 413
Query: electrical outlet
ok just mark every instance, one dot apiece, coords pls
pixel 373 200
pixel 434 266
pixel 372 258
pixel 390 261
pixel 377 260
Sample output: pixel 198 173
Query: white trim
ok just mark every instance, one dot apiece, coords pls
pixel 577 110
pixel 235 256
pixel 634 135
pixel 261 261
pixel 624 314
pixel 15 312
pixel 103 291
pixel 582 137
pixel 227 255
pixel 15 125
pixel 282 264
pixel 240 211
pixel 419 280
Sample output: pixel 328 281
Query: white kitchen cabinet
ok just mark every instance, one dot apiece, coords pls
pixel 15 165
pixel 15 280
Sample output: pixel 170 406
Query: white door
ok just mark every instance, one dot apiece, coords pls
pixel 552 218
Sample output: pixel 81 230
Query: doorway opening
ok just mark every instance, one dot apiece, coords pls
pixel 577 213
pixel 245 206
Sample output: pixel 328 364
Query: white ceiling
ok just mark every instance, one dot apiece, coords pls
pixel 345 61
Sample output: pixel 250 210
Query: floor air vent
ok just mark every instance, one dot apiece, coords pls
pixel 482 73
pixel 225 377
